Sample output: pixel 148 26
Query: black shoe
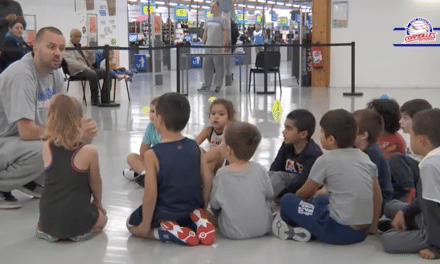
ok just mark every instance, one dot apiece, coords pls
pixel 33 189
pixel 384 225
pixel 95 102
pixel 141 180
pixel 8 201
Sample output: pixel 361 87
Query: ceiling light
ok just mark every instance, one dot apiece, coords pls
pixel 296 6
pixel 280 3
pixel 270 2
pixel 250 6
pixel 172 4
pixel 289 4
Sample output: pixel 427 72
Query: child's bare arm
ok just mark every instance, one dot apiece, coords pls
pixel 95 181
pixel 150 196
pixel 144 147
pixel 377 206
pixel 308 190
pixel 206 179
pixel 213 154
pixel 203 135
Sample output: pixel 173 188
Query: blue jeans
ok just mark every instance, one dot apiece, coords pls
pixel 315 217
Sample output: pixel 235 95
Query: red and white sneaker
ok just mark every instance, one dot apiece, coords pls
pixel 205 229
pixel 181 235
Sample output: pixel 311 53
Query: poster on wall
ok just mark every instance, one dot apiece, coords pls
pixel 90 4
pixel 111 4
pixel 31 37
pixel 157 25
pixel 80 5
pixel 92 38
pixel 92 24
pixel 340 14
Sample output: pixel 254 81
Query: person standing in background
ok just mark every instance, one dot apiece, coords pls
pixel 216 33
pixel 9 10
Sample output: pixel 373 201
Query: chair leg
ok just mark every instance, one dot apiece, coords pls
pixel 128 92
pixel 254 82
pixel 248 89
pixel 114 90
pixel 83 85
pixel 279 76
pixel 275 82
pixel 68 84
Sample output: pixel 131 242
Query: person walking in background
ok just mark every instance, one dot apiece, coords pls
pixel 216 34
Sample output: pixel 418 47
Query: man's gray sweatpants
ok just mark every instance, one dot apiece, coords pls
pixel 209 64
pixel 20 162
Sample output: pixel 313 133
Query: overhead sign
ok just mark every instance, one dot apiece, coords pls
pixel 145 7
pixel 282 21
pixel 207 13
pixel 181 12
pixel 241 17
pixel 258 18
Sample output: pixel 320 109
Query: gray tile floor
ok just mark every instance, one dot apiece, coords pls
pixel 120 132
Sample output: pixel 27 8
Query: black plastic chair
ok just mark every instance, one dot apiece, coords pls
pixel 272 66
pixel 69 78
pixel 114 89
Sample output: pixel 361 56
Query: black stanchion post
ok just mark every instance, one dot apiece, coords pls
pixel 353 88
pixel 105 92
pixel 178 68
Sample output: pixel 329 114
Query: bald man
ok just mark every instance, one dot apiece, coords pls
pixel 79 66
pixel 26 88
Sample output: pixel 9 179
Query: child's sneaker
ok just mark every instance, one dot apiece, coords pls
pixel 205 229
pixel 129 174
pixel 82 238
pixel 282 230
pixel 141 179
pixel 171 231
pixel 42 235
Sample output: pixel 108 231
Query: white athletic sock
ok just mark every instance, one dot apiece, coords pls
pixel 156 233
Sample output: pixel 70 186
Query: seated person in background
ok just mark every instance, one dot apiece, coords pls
pixel 353 203
pixel 177 182
pixel 14 40
pixel 241 190
pixel 295 158
pixel 404 167
pixel 115 72
pixel 424 238
pixel 370 127
pixel 79 66
pixel 391 141
pixel 405 171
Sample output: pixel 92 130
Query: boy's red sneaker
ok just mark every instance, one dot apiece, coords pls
pixel 178 234
pixel 205 229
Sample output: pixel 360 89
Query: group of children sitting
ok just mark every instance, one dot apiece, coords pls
pixel 337 197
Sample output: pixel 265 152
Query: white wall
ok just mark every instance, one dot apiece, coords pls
pixel 61 14
pixel 378 62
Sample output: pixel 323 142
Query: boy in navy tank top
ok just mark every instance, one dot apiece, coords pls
pixel 177 182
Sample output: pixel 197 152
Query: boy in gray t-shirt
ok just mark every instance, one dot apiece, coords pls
pixel 242 190
pixel 353 203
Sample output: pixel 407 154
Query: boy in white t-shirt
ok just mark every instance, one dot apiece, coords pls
pixel 353 203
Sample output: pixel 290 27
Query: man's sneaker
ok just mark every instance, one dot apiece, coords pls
pixel 8 201
pixel 33 189
pixel 217 89
pixel 282 230
pixel 42 235
pixel 205 229
pixel 129 174
pixel 171 231
pixel 203 89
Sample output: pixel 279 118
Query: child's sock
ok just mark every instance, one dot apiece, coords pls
pixel 205 229
pixel 156 233
pixel 171 231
